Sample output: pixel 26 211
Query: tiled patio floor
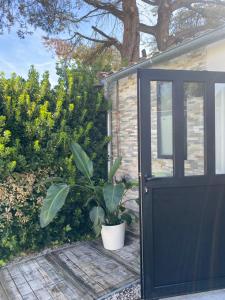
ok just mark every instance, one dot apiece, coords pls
pixel 80 271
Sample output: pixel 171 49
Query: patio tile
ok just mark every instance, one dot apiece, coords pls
pixel 83 270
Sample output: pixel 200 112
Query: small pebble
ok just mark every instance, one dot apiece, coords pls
pixel 130 293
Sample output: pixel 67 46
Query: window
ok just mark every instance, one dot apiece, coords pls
pixel 164 119
pixel 194 128
pixel 220 127
pixel 192 92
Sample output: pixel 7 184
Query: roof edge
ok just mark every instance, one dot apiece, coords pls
pixel 200 41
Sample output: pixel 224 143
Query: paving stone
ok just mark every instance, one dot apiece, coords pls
pixel 80 271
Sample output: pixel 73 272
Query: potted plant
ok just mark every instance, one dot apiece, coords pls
pixel 107 209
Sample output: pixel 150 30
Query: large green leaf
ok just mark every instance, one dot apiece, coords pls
pixel 114 168
pixel 82 161
pixel 113 194
pixel 97 215
pixel 55 199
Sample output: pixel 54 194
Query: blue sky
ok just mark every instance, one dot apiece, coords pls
pixel 17 55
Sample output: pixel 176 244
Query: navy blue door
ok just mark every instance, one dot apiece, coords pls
pixel 182 181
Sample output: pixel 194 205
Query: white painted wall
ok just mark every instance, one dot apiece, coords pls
pixel 216 56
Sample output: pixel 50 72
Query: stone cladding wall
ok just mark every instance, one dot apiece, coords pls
pixel 123 96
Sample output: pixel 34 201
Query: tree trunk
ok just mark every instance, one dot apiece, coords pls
pixel 131 35
pixel 163 24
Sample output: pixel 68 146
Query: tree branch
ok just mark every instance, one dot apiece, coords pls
pixel 102 33
pixel 87 15
pixel 106 6
pixel 154 3
pixel 147 29
pixel 112 40
pixel 87 38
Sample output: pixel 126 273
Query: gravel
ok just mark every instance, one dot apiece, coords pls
pixel 132 292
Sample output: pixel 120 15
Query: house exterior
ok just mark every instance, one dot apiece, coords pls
pixel 205 52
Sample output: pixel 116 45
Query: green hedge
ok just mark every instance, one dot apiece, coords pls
pixel 37 123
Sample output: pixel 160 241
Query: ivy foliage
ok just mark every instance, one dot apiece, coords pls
pixel 37 124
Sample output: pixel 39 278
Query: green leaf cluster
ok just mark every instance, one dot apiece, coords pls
pixel 37 124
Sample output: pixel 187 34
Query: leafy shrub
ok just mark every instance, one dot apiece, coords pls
pixel 37 123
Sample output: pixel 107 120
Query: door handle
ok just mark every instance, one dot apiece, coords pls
pixel 150 178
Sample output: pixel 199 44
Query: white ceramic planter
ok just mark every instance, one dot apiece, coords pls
pixel 113 236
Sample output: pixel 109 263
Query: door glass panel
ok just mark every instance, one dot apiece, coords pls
pixel 220 127
pixel 161 128
pixel 194 128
